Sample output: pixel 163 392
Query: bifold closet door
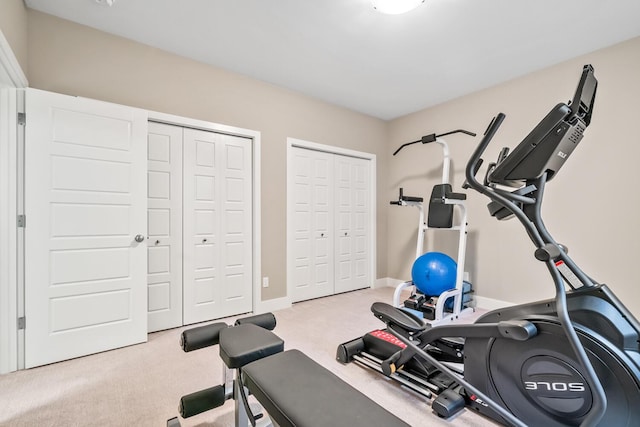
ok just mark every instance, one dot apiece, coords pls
pixel 352 195
pixel 313 222
pixel 164 222
pixel 217 225
pixel 331 223
pixel 85 201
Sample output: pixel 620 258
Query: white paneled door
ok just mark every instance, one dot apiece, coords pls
pixel 86 210
pixel 200 225
pixel 164 222
pixel 217 225
pixel 352 223
pixel 313 224
pixel 330 226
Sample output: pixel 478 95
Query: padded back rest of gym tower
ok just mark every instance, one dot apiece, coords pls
pixel 440 214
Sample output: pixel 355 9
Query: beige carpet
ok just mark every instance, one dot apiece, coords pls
pixel 142 384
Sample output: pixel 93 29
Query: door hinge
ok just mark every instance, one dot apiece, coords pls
pixel 22 221
pixel 22 118
pixel 22 323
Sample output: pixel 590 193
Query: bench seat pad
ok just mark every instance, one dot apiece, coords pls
pixel 245 343
pixel 296 391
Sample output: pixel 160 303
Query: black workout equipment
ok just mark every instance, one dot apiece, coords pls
pixel 293 389
pixel 568 361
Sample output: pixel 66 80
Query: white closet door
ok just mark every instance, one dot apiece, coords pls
pixel 85 186
pixel 313 222
pixel 362 224
pixel 164 219
pixel 352 224
pixel 217 227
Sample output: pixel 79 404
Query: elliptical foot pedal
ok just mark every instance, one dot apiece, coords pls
pixel 448 403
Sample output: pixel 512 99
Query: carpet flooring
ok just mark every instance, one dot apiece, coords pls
pixel 141 385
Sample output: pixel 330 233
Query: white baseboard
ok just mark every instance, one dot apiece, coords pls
pixel 285 302
pixel 490 303
pixel 274 304
pixel 386 282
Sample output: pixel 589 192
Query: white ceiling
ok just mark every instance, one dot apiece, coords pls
pixel 346 53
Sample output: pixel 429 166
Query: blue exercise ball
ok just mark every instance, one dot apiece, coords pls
pixel 433 273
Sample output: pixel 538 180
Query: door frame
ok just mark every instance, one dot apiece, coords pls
pixel 299 143
pixel 11 78
pixel 254 136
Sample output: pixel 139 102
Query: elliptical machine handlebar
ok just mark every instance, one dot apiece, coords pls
pixel 476 158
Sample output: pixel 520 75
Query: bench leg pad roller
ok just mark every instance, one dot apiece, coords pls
pixel 201 401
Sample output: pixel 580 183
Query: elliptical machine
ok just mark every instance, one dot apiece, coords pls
pixel 568 361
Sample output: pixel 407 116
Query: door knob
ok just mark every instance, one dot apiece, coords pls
pixel 139 238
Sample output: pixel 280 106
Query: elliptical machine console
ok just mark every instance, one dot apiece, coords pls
pixel 568 361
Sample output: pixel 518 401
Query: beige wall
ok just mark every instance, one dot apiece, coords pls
pixel 72 59
pixel 13 24
pixel 592 205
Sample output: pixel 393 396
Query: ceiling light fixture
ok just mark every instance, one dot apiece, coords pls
pixel 106 2
pixel 395 7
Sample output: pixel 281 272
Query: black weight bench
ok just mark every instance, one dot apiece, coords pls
pixel 292 388
pixel 296 391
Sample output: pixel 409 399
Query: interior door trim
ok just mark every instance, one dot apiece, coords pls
pixel 12 78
